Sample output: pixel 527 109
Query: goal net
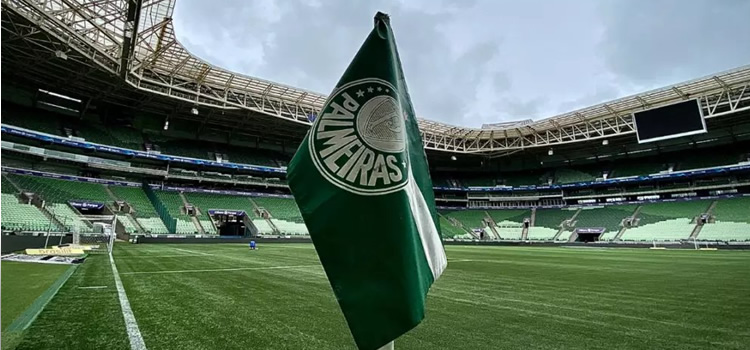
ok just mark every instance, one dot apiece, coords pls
pixel 100 238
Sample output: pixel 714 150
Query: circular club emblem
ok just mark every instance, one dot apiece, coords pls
pixel 358 142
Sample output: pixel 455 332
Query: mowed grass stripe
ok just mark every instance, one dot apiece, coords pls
pixel 489 298
pixel 81 318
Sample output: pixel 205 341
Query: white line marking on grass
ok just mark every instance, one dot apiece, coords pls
pixel 163 256
pixel 134 334
pixel 92 287
pixel 220 270
pixel 192 251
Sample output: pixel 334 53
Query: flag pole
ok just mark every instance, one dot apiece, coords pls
pixel 388 346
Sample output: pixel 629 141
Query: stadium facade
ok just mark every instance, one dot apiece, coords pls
pixel 104 111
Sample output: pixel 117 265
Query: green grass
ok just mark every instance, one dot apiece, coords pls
pixel 224 296
pixel 22 284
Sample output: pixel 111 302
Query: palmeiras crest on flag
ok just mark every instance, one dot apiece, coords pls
pixel 358 141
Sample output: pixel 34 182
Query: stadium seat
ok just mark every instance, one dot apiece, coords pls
pixel 609 217
pixel 665 230
pixel 127 224
pixel 470 219
pixel 571 176
pixel 666 221
pixel 69 217
pixel 7 187
pixel 23 217
pixel 448 230
pixel 62 191
pixel 139 202
pixel 732 221
pixel 263 227
pixel 541 233
pixel 208 226
pixel 152 225
pixel 552 218
pixel 280 209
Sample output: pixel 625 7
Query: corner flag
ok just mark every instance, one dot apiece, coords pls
pixel 361 181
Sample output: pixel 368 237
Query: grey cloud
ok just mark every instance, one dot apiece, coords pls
pixel 667 41
pixel 479 61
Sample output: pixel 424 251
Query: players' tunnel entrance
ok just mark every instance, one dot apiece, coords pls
pixel 229 222
pixel 589 234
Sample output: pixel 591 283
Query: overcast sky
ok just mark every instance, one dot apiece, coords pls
pixel 469 62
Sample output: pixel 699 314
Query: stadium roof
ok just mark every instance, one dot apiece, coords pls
pixel 153 60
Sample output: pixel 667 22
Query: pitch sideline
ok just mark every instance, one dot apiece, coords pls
pixel 131 325
pixel 221 270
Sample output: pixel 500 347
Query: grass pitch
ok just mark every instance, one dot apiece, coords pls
pixel 222 296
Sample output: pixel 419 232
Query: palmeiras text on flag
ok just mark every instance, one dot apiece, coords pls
pixel 361 181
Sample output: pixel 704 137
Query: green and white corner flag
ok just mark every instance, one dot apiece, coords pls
pixel 361 181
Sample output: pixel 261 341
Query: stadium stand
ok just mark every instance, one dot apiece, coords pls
pixel 547 223
pixel 470 219
pixel 32 119
pixel 153 225
pixel 552 218
pixel 208 201
pixel 731 221
pixel 509 222
pixel 208 226
pixel 666 221
pixel 7 187
pixel 448 230
pixel 61 191
pixel 23 217
pixel 571 176
pixel 127 224
pixel 635 169
pixel 174 205
pixel 284 214
pixel 263 226
pixel 70 219
pixel 143 210
pixel 609 217
pixel 541 233
pixel 137 200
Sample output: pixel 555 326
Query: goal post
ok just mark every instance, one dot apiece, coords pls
pixel 100 238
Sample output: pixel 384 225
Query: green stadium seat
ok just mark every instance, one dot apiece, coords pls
pixel 470 219
pixel 23 217
pixel 448 230
pixel 571 176
pixel 208 226
pixel 263 226
pixel 666 221
pixel 732 218
pixel 139 202
pixel 665 230
pixel 280 209
pixel 130 227
pixel 609 217
pixel 541 233
pixel 152 225
pixel 552 218
pixel 69 217
pixel 62 191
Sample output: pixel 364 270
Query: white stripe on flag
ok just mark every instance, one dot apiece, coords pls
pixel 433 248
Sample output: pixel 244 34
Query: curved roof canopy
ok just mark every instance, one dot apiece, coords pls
pixel 137 41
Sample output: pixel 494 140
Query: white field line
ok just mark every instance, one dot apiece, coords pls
pixel 93 287
pixel 220 270
pixel 146 256
pixel 192 251
pixel 134 334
